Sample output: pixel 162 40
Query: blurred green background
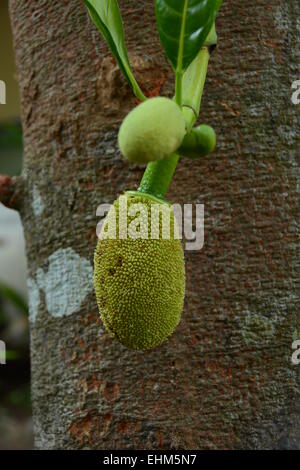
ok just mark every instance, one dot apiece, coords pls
pixel 15 406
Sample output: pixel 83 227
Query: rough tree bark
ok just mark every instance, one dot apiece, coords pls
pixel 225 378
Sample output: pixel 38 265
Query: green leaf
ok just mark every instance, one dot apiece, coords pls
pixel 12 355
pixel 14 297
pixel 107 17
pixel 183 26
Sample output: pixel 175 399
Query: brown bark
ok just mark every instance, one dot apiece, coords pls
pixel 11 191
pixel 225 378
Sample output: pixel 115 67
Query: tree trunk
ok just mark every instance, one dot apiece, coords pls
pixel 225 378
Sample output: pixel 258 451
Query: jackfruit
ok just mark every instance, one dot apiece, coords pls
pixel 199 142
pixel 139 281
pixel 152 131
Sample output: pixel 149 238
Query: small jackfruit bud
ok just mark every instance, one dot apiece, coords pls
pixel 152 131
pixel 139 280
pixel 199 142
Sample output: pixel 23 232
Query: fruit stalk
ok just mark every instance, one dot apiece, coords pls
pixel 158 175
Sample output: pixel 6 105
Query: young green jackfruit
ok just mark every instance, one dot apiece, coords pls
pixel 139 283
pixel 152 131
pixel 199 142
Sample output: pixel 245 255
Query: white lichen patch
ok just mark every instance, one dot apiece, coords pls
pixel 296 335
pixel 258 329
pixel 289 133
pixel 38 205
pixel 34 299
pixel 282 18
pixel 66 283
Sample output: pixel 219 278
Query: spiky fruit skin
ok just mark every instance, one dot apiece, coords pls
pixel 139 283
pixel 152 131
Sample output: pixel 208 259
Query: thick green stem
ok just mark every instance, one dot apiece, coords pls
pixel 158 175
